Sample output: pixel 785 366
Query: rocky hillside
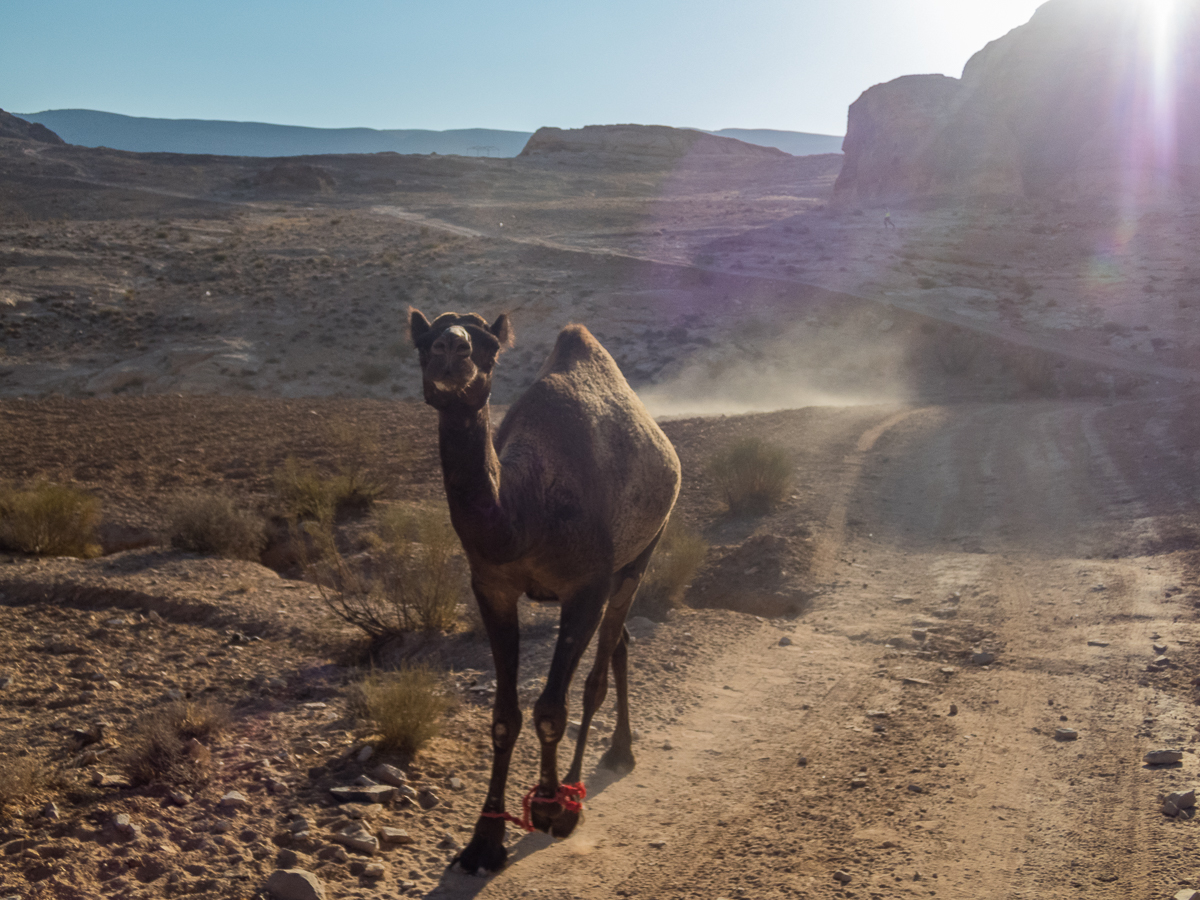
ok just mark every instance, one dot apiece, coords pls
pixel 642 140
pixel 12 127
pixel 1082 101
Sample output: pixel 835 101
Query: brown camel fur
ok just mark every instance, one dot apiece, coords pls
pixel 565 502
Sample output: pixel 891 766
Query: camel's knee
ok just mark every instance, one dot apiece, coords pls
pixel 550 720
pixel 504 732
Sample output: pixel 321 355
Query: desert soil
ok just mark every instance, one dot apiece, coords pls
pixel 1021 530
pixel 991 527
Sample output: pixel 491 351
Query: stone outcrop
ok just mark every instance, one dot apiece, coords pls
pixel 13 127
pixel 1075 103
pixel 642 140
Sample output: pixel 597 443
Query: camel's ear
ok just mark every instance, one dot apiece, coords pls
pixel 418 325
pixel 503 331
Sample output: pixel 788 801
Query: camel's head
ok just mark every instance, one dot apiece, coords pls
pixel 458 354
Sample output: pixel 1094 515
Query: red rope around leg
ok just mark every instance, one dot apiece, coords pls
pixel 569 796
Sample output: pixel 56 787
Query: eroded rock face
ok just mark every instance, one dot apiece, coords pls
pixel 641 140
pixel 13 127
pixel 1085 100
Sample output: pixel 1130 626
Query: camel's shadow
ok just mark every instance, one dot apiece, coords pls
pixel 455 884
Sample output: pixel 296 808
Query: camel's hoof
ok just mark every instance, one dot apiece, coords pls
pixel 618 760
pixel 565 823
pixel 486 850
pixel 554 820
pixel 542 815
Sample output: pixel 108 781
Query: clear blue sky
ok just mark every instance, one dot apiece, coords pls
pixel 788 64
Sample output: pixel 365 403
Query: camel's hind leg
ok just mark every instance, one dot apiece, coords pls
pixel 619 755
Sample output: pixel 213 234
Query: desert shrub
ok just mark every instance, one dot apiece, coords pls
pixel 751 476
pixel 406 706
pixel 212 523
pixel 49 520
pixel 169 744
pixel 305 493
pixel 676 558
pixel 20 777
pixel 412 578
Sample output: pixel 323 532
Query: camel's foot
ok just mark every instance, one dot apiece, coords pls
pixel 618 759
pixel 485 852
pixel 553 819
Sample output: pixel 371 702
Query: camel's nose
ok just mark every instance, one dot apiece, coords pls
pixel 454 341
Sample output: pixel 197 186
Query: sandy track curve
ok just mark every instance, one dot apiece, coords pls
pixel 978 521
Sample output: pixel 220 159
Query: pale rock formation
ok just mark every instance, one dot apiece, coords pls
pixel 1082 101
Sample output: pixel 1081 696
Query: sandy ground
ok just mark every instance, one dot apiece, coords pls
pixel 1022 531
pixel 870 744
pixel 990 534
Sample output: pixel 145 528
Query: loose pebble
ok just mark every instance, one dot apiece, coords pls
pixel 390 775
pixel 295 884
pixel 233 800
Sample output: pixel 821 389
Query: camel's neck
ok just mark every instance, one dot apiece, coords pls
pixel 471 471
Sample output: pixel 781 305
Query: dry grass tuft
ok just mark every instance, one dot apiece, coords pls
pixel 672 567
pixel 49 520
pixel 406 706
pixel 412 579
pixel 212 523
pixel 169 744
pixel 20 778
pixel 305 494
pixel 751 476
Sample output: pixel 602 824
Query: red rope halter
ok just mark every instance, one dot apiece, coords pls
pixel 569 796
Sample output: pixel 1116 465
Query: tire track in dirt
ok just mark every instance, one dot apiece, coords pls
pixel 1048 818
pixel 723 787
pixel 987 527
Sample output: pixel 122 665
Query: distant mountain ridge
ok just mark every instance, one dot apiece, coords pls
pixel 93 128
pixel 797 143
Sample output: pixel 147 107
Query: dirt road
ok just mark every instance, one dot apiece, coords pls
pixel 1047 535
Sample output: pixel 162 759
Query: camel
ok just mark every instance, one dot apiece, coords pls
pixel 566 503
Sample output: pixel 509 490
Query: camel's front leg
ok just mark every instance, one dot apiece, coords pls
pixel 581 614
pixel 486 848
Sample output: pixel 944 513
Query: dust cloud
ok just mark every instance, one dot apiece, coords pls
pixel 814 369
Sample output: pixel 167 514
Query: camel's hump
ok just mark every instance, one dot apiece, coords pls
pixel 575 345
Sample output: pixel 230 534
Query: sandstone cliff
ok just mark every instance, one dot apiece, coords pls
pixel 1085 100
